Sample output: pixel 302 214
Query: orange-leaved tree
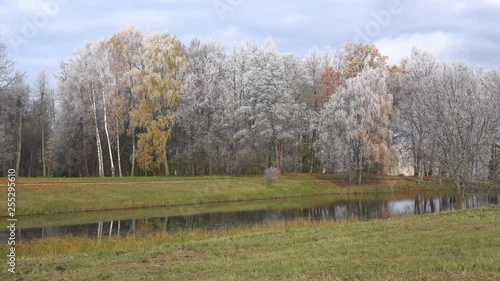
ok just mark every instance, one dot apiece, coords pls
pixel 329 83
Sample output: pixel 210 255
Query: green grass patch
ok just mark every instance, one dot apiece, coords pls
pixel 460 245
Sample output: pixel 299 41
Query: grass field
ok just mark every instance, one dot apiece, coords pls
pixel 62 195
pixel 460 245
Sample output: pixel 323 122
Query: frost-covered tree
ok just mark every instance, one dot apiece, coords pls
pixel 314 65
pixel 19 91
pixel 207 106
pixel 78 87
pixel 8 73
pixel 45 91
pixel 14 94
pixel 491 82
pixel 313 70
pixel 72 147
pixel 89 73
pixel 244 158
pixel 274 114
pixel 420 70
pixel 463 111
pixel 242 110
pixel 448 117
pixel 355 124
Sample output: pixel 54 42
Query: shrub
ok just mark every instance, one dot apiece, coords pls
pixel 271 175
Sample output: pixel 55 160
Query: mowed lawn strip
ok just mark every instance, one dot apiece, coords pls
pixel 91 194
pixel 460 245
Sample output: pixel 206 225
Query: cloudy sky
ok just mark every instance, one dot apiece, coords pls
pixel 39 33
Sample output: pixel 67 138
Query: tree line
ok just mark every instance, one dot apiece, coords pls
pixel 145 104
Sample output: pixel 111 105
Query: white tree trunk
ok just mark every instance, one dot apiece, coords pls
pixel 107 135
pixel 118 155
pixel 97 137
pixel 110 229
pixel 99 230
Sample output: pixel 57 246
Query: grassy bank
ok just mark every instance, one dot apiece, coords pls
pixel 461 245
pixel 47 195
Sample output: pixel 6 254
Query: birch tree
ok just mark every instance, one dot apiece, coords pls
pixel 87 81
pixel 157 85
pixel 78 75
pixel 102 86
pixel 126 47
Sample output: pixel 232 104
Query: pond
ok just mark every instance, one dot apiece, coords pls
pixel 230 215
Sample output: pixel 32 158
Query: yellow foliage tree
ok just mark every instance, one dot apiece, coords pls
pixel 157 85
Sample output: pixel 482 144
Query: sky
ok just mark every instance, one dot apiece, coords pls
pixel 40 33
